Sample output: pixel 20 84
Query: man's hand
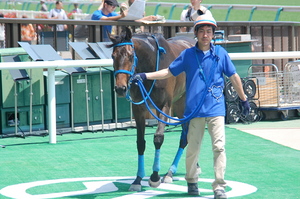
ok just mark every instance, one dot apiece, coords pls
pixel 139 77
pixel 124 13
pixel 245 107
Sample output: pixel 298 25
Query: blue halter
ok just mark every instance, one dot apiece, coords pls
pixel 134 65
pixel 134 62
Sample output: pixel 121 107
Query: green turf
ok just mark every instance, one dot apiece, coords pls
pixel 272 168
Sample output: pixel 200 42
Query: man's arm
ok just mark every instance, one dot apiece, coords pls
pixel 115 18
pixel 51 15
pixel 161 74
pixel 237 85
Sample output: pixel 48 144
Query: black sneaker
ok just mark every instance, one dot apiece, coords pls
pixel 220 194
pixel 193 189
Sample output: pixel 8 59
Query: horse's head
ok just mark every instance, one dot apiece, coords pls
pixel 123 56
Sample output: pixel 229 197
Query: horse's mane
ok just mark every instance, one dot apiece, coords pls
pixel 122 38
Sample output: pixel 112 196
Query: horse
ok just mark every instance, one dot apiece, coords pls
pixel 143 52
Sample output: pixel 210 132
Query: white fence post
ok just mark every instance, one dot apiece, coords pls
pixel 51 105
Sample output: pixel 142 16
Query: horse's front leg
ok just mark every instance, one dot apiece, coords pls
pixel 154 180
pixel 141 146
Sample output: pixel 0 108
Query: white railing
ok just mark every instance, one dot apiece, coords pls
pixel 19 13
pixel 233 6
pixel 33 14
pixel 278 9
pixel 52 65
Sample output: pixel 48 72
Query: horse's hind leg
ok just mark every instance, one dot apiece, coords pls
pixel 168 177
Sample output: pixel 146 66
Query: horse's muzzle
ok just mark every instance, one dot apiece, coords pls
pixel 121 90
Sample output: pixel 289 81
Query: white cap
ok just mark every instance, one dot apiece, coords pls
pixel 205 20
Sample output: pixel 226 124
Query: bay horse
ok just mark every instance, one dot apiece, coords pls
pixel 144 52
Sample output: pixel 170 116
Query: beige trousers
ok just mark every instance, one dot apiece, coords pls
pixel 216 129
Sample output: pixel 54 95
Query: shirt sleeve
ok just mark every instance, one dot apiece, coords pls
pixel 97 15
pixel 50 14
pixel 177 66
pixel 208 13
pixel 183 15
pixel 113 14
pixel 228 67
pixel 65 15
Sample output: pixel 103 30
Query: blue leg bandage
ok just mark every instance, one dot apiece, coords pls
pixel 141 167
pixel 156 164
pixel 174 165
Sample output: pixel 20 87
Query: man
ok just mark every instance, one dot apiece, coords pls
pixel 76 9
pixel 107 12
pixel 191 14
pixel 204 66
pixel 58 13
pixel 43 6
pixel 2 32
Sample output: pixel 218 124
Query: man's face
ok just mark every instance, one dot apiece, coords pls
pixel 59 5
pixel 110 8
pixel 204 35
pixel 195 2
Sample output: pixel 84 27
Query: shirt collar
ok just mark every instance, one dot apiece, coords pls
pixel 212 49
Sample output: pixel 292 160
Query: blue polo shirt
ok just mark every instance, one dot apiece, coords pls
pixel 196 89
pixel 97 15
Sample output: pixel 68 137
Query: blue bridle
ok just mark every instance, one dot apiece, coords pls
pixel 134 65
pixel 134 62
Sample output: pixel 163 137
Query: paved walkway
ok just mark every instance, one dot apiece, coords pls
pixel 286 133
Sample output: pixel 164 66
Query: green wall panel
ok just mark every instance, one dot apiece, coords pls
pixel 94 96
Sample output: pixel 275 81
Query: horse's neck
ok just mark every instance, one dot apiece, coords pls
pixel 146 54
pixel 143 44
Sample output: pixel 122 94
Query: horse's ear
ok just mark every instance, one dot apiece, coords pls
pixel 128 34
pixel 111 37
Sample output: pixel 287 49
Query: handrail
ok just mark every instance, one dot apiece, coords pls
pixel 156 8
pixel 228 13
pixel 171 11
pixel 278 13
pixel 252 12
pixel 168 28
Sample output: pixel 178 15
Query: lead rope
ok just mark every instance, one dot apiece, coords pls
pixel 159 50
pixel 185 119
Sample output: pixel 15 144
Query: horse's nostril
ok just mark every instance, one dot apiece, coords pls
pixel 121 91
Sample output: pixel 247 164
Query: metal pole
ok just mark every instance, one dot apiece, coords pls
pixel 101 98
pixel 72 103
pixel 87 103
pixel 30 103
pixel 16 109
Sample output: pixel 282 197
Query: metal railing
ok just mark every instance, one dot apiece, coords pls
pixel 266 36
pixel 87 6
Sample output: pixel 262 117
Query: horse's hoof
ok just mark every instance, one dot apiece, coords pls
pixel 153 184
pixel 167 179
pixel 135 187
